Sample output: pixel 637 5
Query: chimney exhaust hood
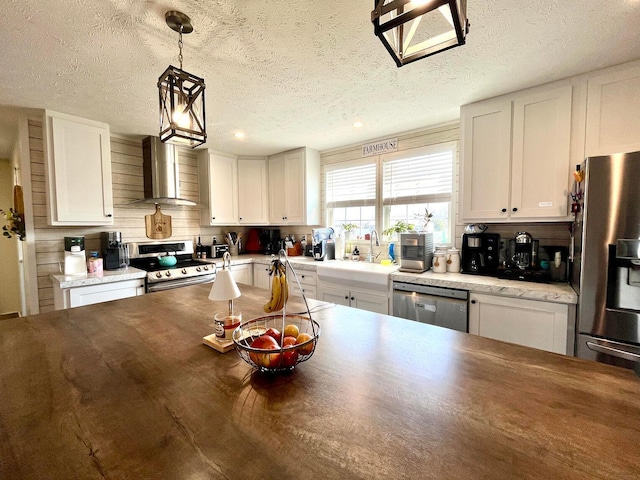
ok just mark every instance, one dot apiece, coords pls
pixel 161 174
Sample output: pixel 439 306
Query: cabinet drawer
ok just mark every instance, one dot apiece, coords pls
pixel 309 291
pixel 306 277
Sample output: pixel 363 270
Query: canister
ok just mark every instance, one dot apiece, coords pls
pixel 453 260
pixel 439 262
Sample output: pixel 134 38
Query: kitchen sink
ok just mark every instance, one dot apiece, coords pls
pixel 356 274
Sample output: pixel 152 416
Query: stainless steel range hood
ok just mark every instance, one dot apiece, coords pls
pixel 161 174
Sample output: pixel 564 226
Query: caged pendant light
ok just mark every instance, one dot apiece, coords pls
pixel 415 29
pixel 182 113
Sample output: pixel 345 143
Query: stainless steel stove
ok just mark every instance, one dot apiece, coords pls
pixel 186 271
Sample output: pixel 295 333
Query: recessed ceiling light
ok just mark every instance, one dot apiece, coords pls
pixel 238 135
pixel 358 124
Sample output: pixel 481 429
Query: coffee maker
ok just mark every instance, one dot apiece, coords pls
pixel 480 253
pixel 324 247
pixel 75 259
pixel 270 241
pixel 114 252
pixel 525 251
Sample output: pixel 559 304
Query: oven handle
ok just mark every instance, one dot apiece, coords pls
pixel 616 352
pixel 158 287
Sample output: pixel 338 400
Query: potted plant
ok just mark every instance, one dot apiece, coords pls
pixel 399 227
pixel 425 219
pixel 347 228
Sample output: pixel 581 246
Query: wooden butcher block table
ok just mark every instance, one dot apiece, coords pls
pixel 127 390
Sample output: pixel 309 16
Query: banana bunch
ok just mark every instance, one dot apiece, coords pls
pixel 279 287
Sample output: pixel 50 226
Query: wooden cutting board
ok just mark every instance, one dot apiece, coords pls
pixel 158 225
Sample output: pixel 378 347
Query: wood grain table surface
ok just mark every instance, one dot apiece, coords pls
pixel 127 390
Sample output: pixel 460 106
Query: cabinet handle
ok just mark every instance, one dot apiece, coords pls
pixel 213 218
pixel 514 209
pixel 109 215
pixel 353 298
pixel 240 218
pixel 504 210
pixel 473 301
pixel 346 298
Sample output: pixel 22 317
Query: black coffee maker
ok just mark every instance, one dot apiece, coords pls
pixel 270 240
pixel 480 253
pixel 115 253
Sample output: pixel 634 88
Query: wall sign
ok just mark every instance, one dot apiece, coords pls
pixel 383 146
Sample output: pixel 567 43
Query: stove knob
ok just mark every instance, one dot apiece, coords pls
pixel 198 269
pixel 158 274
pixel 205 268
pixel 184 271
pixel 168 274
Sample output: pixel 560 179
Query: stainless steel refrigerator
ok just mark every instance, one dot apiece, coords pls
pixel 606 267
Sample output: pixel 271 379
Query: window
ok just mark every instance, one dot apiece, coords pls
pixel 350 195
pixel 419 179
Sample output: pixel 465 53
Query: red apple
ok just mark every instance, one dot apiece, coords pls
pixel 272 332
pixel 267 360
pixel 288 341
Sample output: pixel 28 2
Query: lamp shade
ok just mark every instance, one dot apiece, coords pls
pixel 414 29
pixel 224 287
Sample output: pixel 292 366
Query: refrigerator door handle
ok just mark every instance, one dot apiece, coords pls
pixel 616 352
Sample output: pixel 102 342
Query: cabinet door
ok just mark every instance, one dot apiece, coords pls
pixel 78 171
pixel 294 174
pixel 530 323
pixel 540 156
pixel 91 294
pixel 486 160
pixel 613 112
pixel 252 192
pixel 371 303
pixel 218 189
pixel 261 277
pixel 243 273
pixel 333 295
pixel 277 190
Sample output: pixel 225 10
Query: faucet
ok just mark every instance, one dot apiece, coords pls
pixel 370 256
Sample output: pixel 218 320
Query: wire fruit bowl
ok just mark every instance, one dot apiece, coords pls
pixel 279 350
pixel 283 357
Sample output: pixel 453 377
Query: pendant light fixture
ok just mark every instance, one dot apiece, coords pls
pixel 182 114
pixel 415 29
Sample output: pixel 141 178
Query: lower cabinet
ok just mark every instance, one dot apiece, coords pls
pixel 531 323
pixel 261 277
pixel 90 294
pixel 352 298
pixel 243 273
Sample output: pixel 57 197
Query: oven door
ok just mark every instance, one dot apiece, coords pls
pixel 182 282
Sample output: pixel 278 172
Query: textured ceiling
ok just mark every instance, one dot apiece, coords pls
pixel 291 73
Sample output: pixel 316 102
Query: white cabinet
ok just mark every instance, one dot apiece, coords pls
pixel 294 188
pixel 90 294
pixel 613 111
pixel 78 171
pixel 218 178
pixel 531 323
pixel 261 277
pixel 516 156
pixel 253 194
pixel 243 273
pixel 354 298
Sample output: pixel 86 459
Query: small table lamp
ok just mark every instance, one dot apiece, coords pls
pixel 224 288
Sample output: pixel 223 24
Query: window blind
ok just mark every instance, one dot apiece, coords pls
pixel 353 186
pixel 419 178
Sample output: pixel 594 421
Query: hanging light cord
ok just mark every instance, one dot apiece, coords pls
pixel 180 46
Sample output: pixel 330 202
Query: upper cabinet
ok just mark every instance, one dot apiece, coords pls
pixel 78 171
pixel 613 111
pixel 516 156
pixel 253 194
pixel 294 188
pixel 218 178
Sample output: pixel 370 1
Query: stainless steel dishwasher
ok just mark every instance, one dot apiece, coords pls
pixel 444 307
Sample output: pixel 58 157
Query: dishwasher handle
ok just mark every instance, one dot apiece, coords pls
pixel 426 306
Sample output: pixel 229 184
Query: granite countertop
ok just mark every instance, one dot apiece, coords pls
pixel 127 390
pixel 106 276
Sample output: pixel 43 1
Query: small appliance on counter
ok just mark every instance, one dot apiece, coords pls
pixel 323 246
pixel 522 260
pixel 75 259
pixel 270 241
pixel 114 252
pixel 416 252
pixel 480 253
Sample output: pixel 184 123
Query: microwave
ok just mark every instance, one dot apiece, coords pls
pixel 416 252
